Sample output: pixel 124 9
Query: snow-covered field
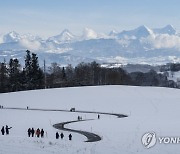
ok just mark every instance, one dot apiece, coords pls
pixel 148 109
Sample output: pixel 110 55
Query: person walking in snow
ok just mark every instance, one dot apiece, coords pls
pixel 70 137
pixel 98 116
pixel 7 129
pixel 3 130
pixel 38 132
pixel 42 133
pixel 57 135
pixel 29 132
pixel 32 132
pixel 62 135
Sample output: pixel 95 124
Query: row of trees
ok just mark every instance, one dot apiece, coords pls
pixel 15 78
pixel 85 74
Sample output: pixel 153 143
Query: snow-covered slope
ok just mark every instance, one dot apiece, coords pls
pixel 139 45
pixel 148 108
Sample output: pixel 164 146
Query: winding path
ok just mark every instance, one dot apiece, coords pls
pixel 91 137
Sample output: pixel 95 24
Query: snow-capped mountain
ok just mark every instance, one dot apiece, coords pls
pixel 169 29
pixel 65 36
pixel 139 32
pixel 139 45
pixel 11 37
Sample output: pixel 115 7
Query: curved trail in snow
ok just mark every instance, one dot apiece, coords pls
pixel 91 137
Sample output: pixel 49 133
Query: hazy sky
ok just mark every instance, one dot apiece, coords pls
pixel 49 17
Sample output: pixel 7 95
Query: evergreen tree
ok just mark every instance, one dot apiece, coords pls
pixel 36 73
pixel 14 75
pixel 33 73
pixel 3 78
pixel 27 70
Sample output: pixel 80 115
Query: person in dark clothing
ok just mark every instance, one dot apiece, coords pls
pixel 70 137
pixel 32 132
pixel 57 135
pixel 38 132
pixel 3 130
pixel 98 116
pixel 42 133
pixel 29 132
pixel 62 135
pixel 7 130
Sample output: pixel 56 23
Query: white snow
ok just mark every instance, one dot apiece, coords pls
pixel 148 108
pixel 89 34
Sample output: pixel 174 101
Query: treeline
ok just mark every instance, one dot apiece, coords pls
pixel 15 78
pixel 172 67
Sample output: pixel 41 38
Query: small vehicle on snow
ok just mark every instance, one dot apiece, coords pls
pixel 72 109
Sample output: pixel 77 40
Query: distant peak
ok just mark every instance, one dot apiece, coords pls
pixel 168 29
pixel 64 36
pixel 143 31
pixel 169 26
pixel 113 33
pixel 143 27
pixel 89 33
pixel 65 31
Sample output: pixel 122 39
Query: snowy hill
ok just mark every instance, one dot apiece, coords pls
pixel 148 109
pixel 140 45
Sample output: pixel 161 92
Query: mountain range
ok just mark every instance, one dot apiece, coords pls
pixel 139 45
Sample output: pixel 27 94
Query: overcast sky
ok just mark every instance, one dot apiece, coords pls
pixel 50 17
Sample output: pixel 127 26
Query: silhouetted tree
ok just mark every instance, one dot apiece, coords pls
pixel 14 75
pixel 3 77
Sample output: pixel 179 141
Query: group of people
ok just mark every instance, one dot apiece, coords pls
pixel 38 133
pixel 62 136
pixel 79 118
pixel 5 130
pixel 1 107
